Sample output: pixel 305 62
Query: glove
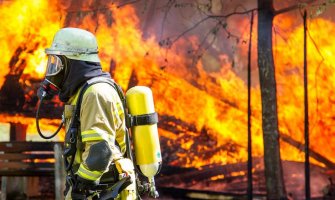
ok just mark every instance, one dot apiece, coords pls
pixel 82 188
pixel 124 165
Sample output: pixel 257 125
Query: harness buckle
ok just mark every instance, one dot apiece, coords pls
pixel 69 180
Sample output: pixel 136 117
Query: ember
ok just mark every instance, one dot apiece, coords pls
pixel 201 96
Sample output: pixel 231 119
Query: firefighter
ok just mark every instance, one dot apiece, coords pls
pixel 100 147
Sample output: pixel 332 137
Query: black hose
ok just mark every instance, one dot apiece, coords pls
pixel 37 121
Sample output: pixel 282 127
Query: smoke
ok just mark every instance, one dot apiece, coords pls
pixel 210 45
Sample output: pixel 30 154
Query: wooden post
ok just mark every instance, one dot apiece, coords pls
pixel 3 187
pixel 59 173
pixel 17 132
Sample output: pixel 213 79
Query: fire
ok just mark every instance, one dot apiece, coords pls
pixel 203 114
pixel 289 66
pixel 46 125
pixel 27 25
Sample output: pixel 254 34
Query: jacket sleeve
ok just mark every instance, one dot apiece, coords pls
pixel 101 119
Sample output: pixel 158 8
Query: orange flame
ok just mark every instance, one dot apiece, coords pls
pixel 28 25
pixel 288 54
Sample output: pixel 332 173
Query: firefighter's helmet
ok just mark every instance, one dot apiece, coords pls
pixel 76 44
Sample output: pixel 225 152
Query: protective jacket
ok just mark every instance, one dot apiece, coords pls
pixel 101 137
pixel 95 133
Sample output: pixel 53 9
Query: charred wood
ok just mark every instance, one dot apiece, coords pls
pixel 231 178
pixel 204 144
pixel 188 193
pixel 133 81
pixel 313 154
pixel 329 190
pixel 207 172
pixel 207 139
pixel 11 94
pixel 112 67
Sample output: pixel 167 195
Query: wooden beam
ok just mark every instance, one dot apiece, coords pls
pixel 25 165
pixel 28 173
pixel 59 172
pixel 20 156
pixel 12 147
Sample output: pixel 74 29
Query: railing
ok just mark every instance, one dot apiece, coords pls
pixel 29 159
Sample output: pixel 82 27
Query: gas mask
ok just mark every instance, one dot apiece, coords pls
pixel 51 86
pixel 54 77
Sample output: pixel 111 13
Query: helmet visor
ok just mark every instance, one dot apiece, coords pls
pixel 54 66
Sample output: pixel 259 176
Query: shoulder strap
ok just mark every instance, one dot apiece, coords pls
pixel 76 117
pixel 72 133
pixel 85 87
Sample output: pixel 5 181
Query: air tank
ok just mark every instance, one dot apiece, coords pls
pixel 145 137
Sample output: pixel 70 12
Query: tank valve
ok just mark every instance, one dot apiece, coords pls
pixel 153 192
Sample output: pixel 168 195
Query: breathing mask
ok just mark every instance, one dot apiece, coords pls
pixel 51 86
pixel 54 77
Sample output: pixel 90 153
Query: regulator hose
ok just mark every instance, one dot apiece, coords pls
pixel 37 121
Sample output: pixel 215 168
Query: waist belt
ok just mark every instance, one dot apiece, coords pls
pixel 110 177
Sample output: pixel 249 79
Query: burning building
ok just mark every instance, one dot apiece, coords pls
pixel 196 67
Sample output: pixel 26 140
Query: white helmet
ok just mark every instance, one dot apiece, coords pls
pixel 76 44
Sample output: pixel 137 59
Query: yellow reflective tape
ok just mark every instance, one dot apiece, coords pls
pixel 88 132
pixel 88 139
pixel 121 143
pixel 120 139
pixel 87 174
pixel 92 135
pixel 120 108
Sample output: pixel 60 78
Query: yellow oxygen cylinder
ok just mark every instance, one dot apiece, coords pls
pixel 148 157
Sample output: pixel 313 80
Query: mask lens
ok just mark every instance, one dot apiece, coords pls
pixel 54 65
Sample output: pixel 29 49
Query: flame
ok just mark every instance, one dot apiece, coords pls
pixel 27 25
pixel 203 113
pixel 288 54
pixel 47 126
